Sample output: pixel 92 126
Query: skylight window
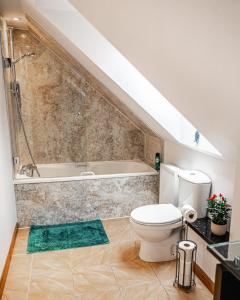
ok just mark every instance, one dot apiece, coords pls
pixel 99 50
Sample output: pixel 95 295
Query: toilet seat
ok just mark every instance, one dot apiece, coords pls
pixel 156 214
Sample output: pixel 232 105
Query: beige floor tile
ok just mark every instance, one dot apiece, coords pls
pixel 118 230
pixel 88 256
pixel 45 295
pixel 19 272
pixel 98 278
pixel 121 252
pixel 20 264
pixel 162 272
pixel 4 297
pixel 200 294
pixel 115 223
pixel 21 242
pixel 51 261
pixel 133 272
pixel 51 274
pixel 176 294
pixel 144 291
pixel 104 254
pixel 114 294
pixel 111 271
pixel 165 272
pixel 14 295
pixel 51 283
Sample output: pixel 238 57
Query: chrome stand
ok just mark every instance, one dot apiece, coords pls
pixel 180 276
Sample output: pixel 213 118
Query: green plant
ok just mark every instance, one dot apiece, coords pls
pixel 219 209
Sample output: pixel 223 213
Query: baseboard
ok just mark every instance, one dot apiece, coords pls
pixel 8 261
pixel 206 280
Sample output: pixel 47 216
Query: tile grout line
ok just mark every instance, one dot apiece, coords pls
pixel 20 254
pixel 30 277
pixel 166 292
pixel 72 272
pixel 119 287
pixel 155 273
pixel 160 282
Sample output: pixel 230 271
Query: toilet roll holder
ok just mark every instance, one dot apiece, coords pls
pixel 181 268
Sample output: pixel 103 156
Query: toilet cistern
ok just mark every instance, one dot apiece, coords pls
pixel 194 189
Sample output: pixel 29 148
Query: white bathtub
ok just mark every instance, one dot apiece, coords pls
pixel 90 170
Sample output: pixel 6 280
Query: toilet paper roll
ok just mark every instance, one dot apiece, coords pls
pixel 189 213
pixel 186 247
pixel 186 281
pixel 185 266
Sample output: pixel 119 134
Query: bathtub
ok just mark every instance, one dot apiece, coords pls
pixel 75 192
pixel 90 170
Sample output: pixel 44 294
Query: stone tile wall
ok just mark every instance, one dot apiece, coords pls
pixel 61 124
pixel 62 202
pixel 153 145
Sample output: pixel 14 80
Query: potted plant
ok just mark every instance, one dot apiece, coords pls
pixel 219 211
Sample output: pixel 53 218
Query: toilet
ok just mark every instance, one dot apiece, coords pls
pixel 159 226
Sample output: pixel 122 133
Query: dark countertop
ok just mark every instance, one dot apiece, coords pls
pixel 217 245
pixel 225 253
pixel 203 228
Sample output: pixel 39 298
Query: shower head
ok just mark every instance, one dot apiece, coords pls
pixel 28 54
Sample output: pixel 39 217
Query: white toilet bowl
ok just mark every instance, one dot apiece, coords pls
pixel 159 228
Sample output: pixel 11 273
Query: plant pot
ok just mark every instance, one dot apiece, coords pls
pixel 218 229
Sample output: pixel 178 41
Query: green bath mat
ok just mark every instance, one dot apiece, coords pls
pixel 64 236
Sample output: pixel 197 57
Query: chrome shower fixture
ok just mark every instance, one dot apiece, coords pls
pixel 28 54
pixel 8 62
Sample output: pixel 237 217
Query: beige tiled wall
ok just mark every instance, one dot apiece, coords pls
pixel 63 126
pixel 153 145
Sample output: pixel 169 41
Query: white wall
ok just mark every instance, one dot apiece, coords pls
pixel 205 260
pixel 7 196
pixel 235 222
pixel 220 171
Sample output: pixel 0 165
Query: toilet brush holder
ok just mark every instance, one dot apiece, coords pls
pixel 185 264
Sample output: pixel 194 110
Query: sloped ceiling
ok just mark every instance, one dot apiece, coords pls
pixel 189 50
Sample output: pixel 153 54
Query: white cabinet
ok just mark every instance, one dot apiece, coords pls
pixel 205 260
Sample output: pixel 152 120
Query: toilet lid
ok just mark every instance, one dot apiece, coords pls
pixel 156 214
pixel 194 176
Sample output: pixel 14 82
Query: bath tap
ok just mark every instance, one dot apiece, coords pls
pixel 28 170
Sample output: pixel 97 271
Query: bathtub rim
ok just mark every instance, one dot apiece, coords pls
pixel 79 178
pixel 89 177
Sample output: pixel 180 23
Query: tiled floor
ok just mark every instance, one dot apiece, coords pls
pixel 105 272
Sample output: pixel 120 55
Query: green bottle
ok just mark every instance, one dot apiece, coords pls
pixel 157 161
